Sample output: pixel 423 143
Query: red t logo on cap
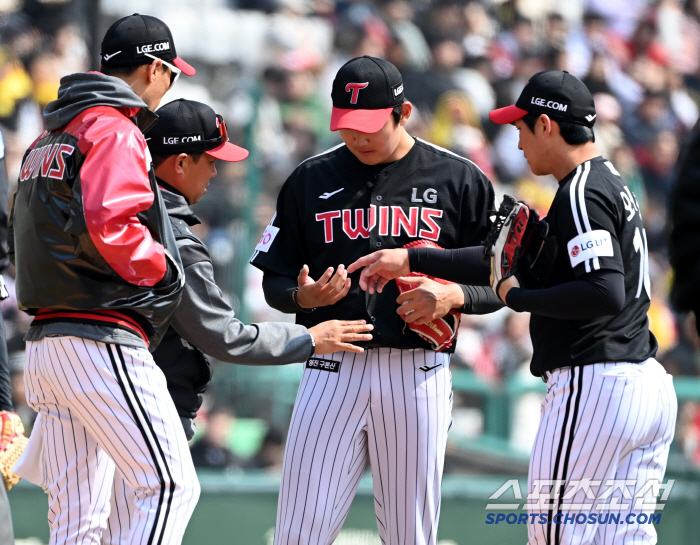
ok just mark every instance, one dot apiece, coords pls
pixel 355 88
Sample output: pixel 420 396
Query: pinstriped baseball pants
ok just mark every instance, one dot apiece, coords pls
pixel 106 407
pixel 381 408
pixel 607 423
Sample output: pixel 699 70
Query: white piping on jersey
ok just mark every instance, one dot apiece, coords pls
pixel 580 181
pixel 322 153
pixel 451 153
pixel 255 254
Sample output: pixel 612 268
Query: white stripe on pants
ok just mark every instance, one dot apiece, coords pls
pixel 107 406
pixel 379 407
pixel 602 422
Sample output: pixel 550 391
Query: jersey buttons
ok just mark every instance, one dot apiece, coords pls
pixel 379 197
pixel 378 244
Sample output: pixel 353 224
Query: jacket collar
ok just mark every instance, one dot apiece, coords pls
pixel 176 204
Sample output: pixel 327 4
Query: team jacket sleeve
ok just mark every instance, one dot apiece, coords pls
pixel 115 188
pixel 587 233
pixel 207 321
pixel 282 248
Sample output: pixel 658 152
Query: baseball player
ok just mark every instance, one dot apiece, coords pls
pixel 98 267
pixel 610 410
pixel 185 144
pixel 391 405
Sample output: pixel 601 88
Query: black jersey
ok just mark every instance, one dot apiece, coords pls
pixel 333 210
pixel 598 225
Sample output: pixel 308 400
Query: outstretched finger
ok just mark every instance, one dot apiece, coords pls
pixel 363 262
pixel 303 275
pixel 342 293
pixel 325 277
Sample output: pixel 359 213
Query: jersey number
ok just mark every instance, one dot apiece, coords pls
pixel 640 246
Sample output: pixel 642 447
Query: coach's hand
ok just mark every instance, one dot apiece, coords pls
pixel 327 290
pixel 335 335
pixel 380 267
pixel 430 300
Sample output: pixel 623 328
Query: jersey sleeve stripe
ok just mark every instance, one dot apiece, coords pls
pixel 582 205
pixel 452 153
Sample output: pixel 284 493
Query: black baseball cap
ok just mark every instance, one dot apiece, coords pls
pixel 365 91
pixel 560 95
pixel 128 40
pixel 186 126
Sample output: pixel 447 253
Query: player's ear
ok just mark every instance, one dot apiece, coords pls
pixel 544 124
pixel 182 162
pixel 152 70
pixel 406 109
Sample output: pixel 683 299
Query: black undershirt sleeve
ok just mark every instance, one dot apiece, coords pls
pixel 465 266
pixel 461 265
pixel 278 291
pixel 600 293
pixel 479 300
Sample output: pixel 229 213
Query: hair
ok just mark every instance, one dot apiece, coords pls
pixel 396 112
pixel 160 159
pixel 572 133
pixel 124 71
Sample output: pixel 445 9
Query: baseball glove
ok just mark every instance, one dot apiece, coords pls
pixel 441 332
pixel 12 443
pixel 539 251
pixel 503 243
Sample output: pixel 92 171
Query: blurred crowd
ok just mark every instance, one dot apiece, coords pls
pixel 269 73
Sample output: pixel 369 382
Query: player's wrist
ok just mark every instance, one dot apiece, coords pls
pixel 301 307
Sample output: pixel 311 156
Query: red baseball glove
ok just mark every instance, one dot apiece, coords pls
pixel 441 332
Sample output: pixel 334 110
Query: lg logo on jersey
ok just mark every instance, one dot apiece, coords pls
pixel 387 219
pixel 429 195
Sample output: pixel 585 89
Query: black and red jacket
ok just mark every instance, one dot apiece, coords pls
pixel 90 238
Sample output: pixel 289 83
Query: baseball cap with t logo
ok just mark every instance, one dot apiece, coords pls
pixel 186 126
pixel 560 95
pixel 139 39
pixel 365 91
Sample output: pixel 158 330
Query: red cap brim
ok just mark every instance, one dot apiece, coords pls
pixel 187 69
pixel 506 115
pixel 228 152
pixel 369 121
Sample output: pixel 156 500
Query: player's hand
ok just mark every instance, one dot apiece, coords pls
pixel 428 301
pixel 335 335
pixel 506 285
pixel 380 267
pixel 327 290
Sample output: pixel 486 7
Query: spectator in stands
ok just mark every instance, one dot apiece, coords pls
pixel 212 450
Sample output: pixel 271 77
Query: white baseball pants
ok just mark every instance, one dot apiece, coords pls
pixel 387 406
pixel 606 429
pixel 107 407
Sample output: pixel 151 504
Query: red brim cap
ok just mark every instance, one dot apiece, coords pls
pixel 186 68
pixel 228 152
pixel 506 115
pixel 369 121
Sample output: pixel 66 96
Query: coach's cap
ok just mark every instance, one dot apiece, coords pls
pixel 365 91
pixel 130 40
pixel 560 95
pixel 186 126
